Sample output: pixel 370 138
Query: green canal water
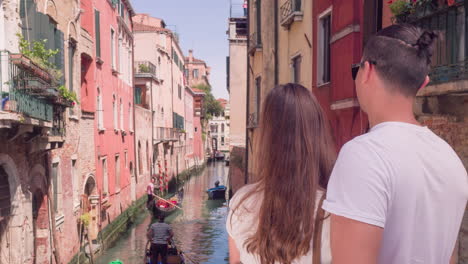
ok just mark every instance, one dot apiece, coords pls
pixel 199 229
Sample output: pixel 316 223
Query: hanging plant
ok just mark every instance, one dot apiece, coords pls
pixel 409 10
pixel 67 95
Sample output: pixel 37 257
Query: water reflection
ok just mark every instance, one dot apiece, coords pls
pixel 199 230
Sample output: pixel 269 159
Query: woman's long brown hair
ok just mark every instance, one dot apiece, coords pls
pixel 293 158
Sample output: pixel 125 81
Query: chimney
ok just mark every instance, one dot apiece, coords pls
pixel 190 55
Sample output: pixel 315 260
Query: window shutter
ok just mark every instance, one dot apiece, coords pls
pixel 59 58
pixel 97 21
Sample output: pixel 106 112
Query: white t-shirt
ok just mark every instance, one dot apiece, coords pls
pixel 410 182
pixel 245 222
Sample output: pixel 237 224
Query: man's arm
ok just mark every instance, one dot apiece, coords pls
pixel 354 242
pixel 234 255
pixel 149 233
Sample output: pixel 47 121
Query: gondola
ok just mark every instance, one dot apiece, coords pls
pixel 174 256
pixel 218 192
pixel 164 208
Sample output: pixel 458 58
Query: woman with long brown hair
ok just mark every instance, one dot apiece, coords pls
pixel 275 219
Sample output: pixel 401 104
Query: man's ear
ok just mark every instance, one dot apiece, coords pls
pixel 366 72
pixel 425 83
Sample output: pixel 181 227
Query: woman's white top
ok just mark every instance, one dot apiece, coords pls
pixel 244 222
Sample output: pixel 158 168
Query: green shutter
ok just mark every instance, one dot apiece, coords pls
pixel 137 95
pixel 97 21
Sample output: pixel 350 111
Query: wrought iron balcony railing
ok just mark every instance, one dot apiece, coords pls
pixel 27 88
pixel 145 69
pixel 291 11
pixel 450 59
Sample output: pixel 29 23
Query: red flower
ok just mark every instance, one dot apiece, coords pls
pixel 390 2
pixel 73 103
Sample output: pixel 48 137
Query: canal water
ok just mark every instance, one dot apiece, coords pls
pixel 199 229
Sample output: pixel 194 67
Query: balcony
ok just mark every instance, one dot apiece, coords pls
pixel 255 42
pixel 290 12
pixel 27 91
pixel 450 59
pixel 253 120
pixel 165 134
pixel 146 69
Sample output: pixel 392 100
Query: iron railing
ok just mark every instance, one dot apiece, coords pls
pixel 145 68
pixel 450 59
pixel 27 88
pixel 289 8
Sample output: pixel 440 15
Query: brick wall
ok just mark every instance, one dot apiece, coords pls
pixel 447 116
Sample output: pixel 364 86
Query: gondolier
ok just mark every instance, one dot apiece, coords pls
pixel 159 234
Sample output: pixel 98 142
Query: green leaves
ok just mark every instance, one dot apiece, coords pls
pixel 66 94
pixel 37 51
pixel 212 107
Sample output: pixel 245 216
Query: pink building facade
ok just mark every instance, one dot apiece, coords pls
pixel 107 92
pixel 189 129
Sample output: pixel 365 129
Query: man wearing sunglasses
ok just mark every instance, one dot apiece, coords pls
pixel 398 193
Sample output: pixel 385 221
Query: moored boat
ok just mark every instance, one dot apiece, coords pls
pixel 218 192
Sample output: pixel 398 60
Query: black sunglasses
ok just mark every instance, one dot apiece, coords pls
pixel 355 68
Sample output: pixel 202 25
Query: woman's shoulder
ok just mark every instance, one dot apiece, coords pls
pixel 246 191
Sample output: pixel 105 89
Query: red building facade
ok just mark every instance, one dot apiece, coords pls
pixel 339 33
pixel 107 93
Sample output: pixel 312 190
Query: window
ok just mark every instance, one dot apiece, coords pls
pixel 323 65
pixel 105 176
pixel 186 73
pixel 76 184
pixel 112 49
pixel 97 24
pixel 222 128
pixel 121 115
pixel 114 109
pixel 195 129
pixel 296 69
pixel 258 16
pixel 130 117
pixel 100 111
pixel 117 172
pixel 148 160
pixel 140 164
pixel 222 140
pixel 56 187
pixel 180 91
pixel 71 57
pixel 138 95
pixel 258 90
pixel 195 74
pixel 126 158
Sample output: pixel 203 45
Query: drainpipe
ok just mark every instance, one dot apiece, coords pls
pixel 134 161
pixel 246 169
pixel 276 42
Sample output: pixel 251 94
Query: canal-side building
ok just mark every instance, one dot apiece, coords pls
pixel 219 126
pixel 280 51
pixel 160 88
pixel 40 178
pixel 197 72
pixel 236 65
pixel 199 135
pixel 190 159
pixel 108 95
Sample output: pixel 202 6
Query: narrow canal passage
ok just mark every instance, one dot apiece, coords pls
pixel 199 229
